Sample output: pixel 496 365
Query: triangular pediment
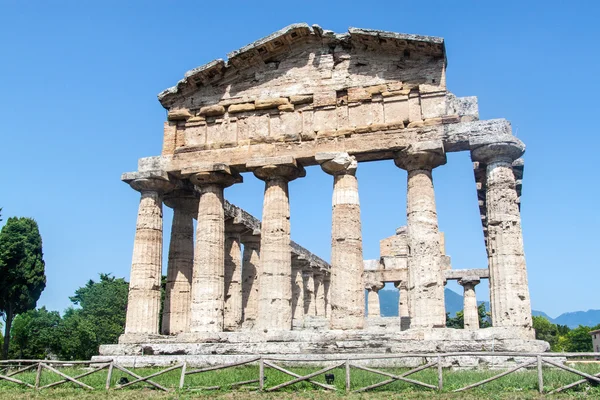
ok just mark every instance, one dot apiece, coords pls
pixel 302 59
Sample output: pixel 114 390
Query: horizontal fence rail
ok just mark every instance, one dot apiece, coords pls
pixel 12 371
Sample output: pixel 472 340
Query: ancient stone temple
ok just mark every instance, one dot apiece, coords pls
pixel 306 96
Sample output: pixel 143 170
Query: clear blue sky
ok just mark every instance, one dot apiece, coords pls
pixel 79 81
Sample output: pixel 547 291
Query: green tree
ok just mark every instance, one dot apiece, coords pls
pixel 546 330
pixel 484 316
pixel 457 322
pixel 99 320
pixel 34 334
pixel 22 277
pixel 579 339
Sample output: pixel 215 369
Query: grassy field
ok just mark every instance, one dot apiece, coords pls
pixel 521 385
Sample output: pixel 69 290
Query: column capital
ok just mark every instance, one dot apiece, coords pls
pixel 337 163
pixel 182 199
pixel 421 155
pixel 375 286
pixel 507 151
pixel 152 184
pixel 221 178
pixel 469 281
pixel 270 168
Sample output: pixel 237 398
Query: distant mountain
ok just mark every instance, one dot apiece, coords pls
pixel 454 302
pixel 574 319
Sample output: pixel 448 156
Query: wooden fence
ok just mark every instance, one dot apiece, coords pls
pixel 11 369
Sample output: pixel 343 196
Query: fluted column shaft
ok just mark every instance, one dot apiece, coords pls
pixel 209 262
pixel 232 317
pixel 374 309
pixel 275 289
pixel 309 292
pixel 143 304
pixel 425 275
pixel 297 294
pixel 177 303
pixel 509 290
pixel 319 294
pixel 250 276
pixel 403 299
pixel 470 310
pixel 346 292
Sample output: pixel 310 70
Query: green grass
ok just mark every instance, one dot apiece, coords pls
pixel 522 385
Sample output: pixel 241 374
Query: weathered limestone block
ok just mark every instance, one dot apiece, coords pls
pixel 271 103
pixel 396 109
pixel 433 104
pixel 212 111
pixel 414 107
pixel 325 98
pixel 195 136
pixel 224 132
pixel 425 276
pixel 301 99
pixel 179 114
pixel 346 295
pixel 244 107
pixel 470 310
pixel 232 311
pixel 250 276
pixel 509 291
pixel 275 290
pixel 146 265
pixel 325 119
pixel 178 291
pixel 286 126
pixel 365 114
pixel 170 130
pixel 254 128
pixel 209 255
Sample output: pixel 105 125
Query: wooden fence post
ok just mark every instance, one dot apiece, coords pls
pixel 347 375
pixel 109 375
pixel 38 376
pixel 261 375
pixel 440 375
pixel 540 374
pixel 182 378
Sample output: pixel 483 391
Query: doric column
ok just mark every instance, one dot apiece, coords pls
pixel 326 289
pixel 509 291
pixel 470 310
pixel 209 255
pixel 143 304
pixel 232 312
pixel 176 308
pixel 275 290
pixel 297 293
pixel 425 275
pixel 373 304
pixel 310 308
pixel 319 293
pixel 402 287
pixel 250 276
pixel 346 294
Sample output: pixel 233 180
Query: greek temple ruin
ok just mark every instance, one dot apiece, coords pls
pixel 300 97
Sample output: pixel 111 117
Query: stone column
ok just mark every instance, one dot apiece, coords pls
pixel 373 305
pixel 310 308
pixel 402 287
pixel 209 255
pixel 275 290
pixel 326 289
pixel 347 293
pixel 425 275
pixel 232 312
pixel 297 293
pixel 509 291
pixel 470 310
pixel 143 304
pixel 176 308
pixel 319 293
pixel 250 274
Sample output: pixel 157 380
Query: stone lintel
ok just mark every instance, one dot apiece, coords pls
pixel 458 274
pixel 128 177
pixel 206 167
